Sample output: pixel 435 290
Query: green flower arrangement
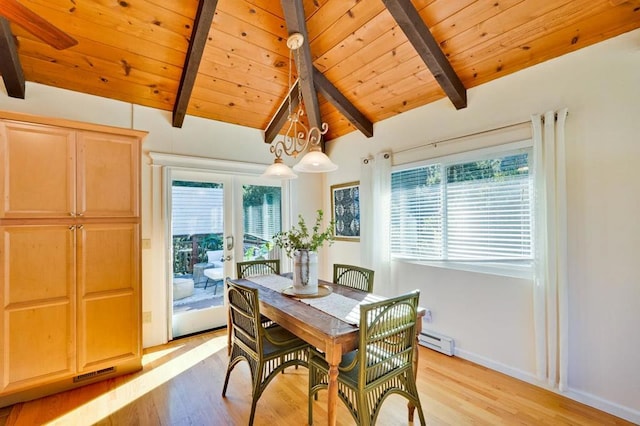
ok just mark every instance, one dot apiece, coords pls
pixel 299 238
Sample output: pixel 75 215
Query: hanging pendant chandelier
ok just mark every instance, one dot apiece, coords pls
pixel 298 136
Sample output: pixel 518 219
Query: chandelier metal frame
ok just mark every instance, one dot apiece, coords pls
pixel 298 137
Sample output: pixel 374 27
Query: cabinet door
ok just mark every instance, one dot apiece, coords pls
pixel 108 295
pixel 37 300
pixel 108 175
pixel 37 177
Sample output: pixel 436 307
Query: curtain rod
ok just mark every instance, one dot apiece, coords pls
pixel 481 132
pixel 455 138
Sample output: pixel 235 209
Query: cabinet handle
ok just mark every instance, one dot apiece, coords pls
pixel 72 214
pixel 80 214
pixel 72 228
pixel 80 226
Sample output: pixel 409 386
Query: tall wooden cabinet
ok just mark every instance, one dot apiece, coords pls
pixel 70 303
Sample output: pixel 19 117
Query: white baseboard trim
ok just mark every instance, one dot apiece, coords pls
pixel 621 411
pixel 525 376
pixel 618 410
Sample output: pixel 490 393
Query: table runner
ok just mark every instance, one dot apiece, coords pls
pixel 336 305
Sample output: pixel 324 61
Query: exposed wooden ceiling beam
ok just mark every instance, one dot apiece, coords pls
pixel 201 27
pixel 343 105
pixel 10 66
pixel 295 20
pixel 427 47
pixel 36 25
pixel 281 115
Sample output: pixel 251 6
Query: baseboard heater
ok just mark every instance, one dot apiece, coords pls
pixel 437 342
pixel 93 374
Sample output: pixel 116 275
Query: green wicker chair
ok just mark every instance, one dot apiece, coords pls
pixel 385 366
pixel 251 268
pixel 267 351
pixel 353 276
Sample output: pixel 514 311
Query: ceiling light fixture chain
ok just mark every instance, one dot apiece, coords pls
pixel 298 136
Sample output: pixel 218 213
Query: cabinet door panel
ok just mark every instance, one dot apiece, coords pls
pixel 108 257
pixel 38 300
pixel 37 262
pixel 109 294
pixel 108 175
pixel 37 345
pixel 110 334
pixel 38 171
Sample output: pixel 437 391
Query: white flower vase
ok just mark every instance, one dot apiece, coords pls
pixel 305 272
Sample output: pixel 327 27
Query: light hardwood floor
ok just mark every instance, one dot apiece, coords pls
pixel 181 385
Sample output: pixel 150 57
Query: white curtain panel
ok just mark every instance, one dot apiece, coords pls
pixel 375 210
pixel 550 272
pixel 366 205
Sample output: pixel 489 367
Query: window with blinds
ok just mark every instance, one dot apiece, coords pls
pixel 471 211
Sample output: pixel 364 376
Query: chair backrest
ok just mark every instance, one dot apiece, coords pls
pixel 353 276
pixel 251 268
pixel 244 309
pixel 388 332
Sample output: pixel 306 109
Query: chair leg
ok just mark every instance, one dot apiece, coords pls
pixel 226 380
pixel 253 411
pixel 421 414
pixel 232 363
pixel 363 409
pixel 255 394
pixel 206 283
pixel 411 408
pixel 412 405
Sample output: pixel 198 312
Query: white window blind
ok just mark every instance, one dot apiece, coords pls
pixel 465 211
pixel 416 213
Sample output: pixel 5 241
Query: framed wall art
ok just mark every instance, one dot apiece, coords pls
pixel 345 211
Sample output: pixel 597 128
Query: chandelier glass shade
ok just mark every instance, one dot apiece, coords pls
pixel 279 170
pixel 298 136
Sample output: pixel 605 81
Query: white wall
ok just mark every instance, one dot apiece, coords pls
pixel 491 317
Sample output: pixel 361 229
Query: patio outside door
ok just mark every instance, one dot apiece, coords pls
pixel 216 220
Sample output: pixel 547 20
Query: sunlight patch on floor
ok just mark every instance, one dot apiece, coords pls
pixel 150 357
pixel 114 400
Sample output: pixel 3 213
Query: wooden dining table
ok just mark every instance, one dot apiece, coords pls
pixel 333 336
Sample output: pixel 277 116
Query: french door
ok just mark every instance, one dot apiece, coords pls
pixel 216 220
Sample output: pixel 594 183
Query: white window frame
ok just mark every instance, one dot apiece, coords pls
pixel 518 269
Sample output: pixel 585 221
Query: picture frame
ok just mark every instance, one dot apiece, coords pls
pixel 345 211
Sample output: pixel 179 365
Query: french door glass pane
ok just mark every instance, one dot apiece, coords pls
pixel 261 206
pixel 197 223
pixel 197 229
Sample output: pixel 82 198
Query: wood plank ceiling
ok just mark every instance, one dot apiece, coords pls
pixel 366 63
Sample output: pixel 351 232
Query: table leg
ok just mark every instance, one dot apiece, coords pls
pixel 416 355
pixel 333 357
pixel 332 400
